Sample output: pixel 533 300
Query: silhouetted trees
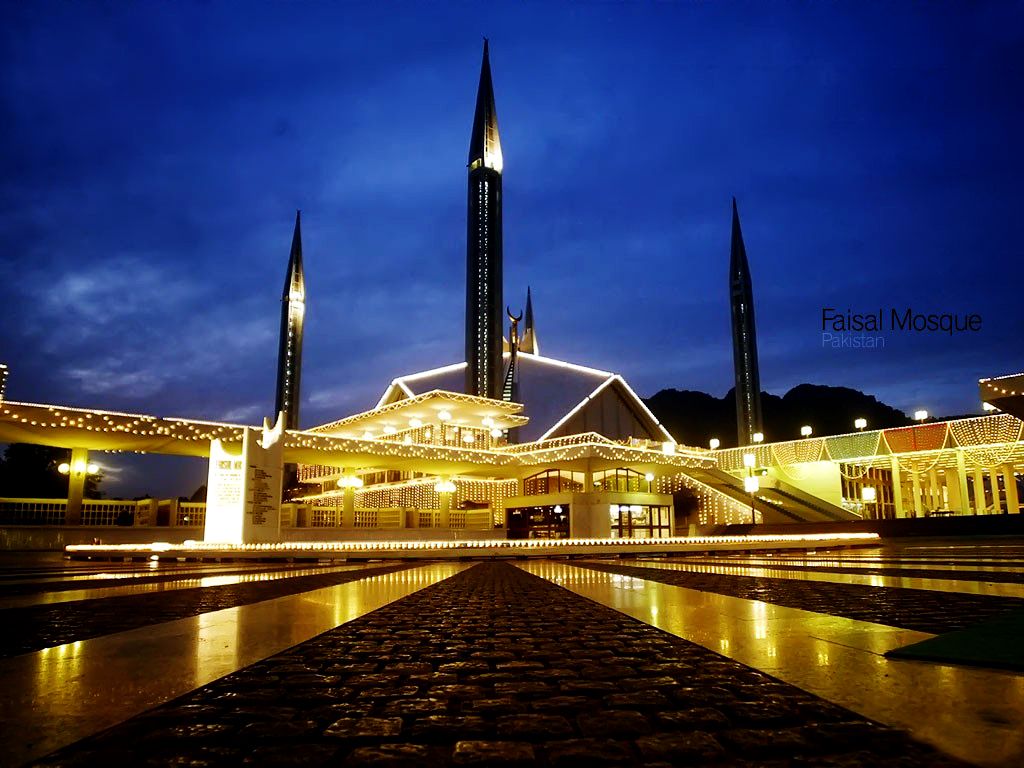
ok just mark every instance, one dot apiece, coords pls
pixel 694 418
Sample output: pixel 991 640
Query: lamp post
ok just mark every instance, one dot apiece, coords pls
pixel 649 477
pixel 860 424
pixel 921 416
pixel 805 431
pixel 757 437
pixel 77 470
pixel 750 483
pixel 714 443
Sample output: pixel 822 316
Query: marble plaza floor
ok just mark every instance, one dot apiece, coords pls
pixel 737 660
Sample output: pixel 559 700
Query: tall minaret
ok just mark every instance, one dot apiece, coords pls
pixel 529 340
pixel 289 356
pixel 483 247
pixel 744 339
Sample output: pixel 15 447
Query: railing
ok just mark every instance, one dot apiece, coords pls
pixel 150 512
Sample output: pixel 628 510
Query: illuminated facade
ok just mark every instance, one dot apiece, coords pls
pixel 484 309
pixel 289 356
pixel 744 339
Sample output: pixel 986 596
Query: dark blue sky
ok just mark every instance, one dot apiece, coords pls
pixel 154 154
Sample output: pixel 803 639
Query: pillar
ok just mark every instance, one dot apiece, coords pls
pixel 918 511
pixel 993 479
pixel 934 490
pixel 980 505
pixel 76 485
pixel 961 479
pixel 348 508
pixel 952 491
pixel 445 498
pixel 897 487
pixel 1010 482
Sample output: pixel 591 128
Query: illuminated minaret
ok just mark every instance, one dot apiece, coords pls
pixel 483 247
pixel 744 340
pixel 289 356
pixel 529 340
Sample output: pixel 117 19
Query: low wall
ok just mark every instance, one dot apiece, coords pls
pixel 53 538
pixel 955 525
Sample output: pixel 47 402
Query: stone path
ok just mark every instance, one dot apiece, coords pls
pixel 496 667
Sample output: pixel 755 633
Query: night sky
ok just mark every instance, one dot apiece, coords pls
pixel 154 154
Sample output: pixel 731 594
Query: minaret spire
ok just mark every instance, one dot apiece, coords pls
pixel 483 246
pixel 289 356
pixel 529 342
pixel 744 338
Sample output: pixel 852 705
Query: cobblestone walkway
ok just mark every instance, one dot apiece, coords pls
pixel 919 609
pixel 33 628
pixel 496 667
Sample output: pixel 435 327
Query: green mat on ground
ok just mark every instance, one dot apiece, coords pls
pixel 997 643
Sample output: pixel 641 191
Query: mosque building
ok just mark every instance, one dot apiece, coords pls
pixel 508 443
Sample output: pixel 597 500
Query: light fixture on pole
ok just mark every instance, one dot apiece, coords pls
pixel 757 437
pixel 714 443
pixel 750 482
pixel 751 485
pixel 805 431
pixel 649 477
pixel 921 416
pixel 860 424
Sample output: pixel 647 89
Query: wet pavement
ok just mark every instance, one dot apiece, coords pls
pixel 497 667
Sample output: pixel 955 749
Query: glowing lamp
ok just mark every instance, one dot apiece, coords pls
pixel 860 423
pixel 757 437
pixel 867 494
pixel 805 431
pixel 495 433
pixel 649 477
pixel 751 484
pixel 920 415
pixel 988 406
pixel 444 416
pixel 749 460
pixel 468 437
pixel 445 486
pixel 415 423
pixel 64 468
pixel 714 443
pixel 350 481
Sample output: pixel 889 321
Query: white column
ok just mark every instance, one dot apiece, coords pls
pixel 1010 481
pixel 897 487
pixel 993 479
pixel 918 512
pixel 953 491
pixel 76 485
pixel 961 478
pixel 934 490
pixel 980 504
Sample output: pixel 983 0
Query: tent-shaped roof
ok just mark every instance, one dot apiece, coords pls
pixel 559 398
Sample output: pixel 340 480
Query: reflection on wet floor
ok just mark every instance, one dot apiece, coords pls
pixel 61 694
pixel 974 714
pixel 997 589
pixel 187 581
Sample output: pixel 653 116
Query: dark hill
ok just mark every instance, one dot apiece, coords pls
pixel 694 418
